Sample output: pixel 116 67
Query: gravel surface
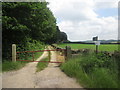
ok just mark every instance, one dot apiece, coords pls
pixel 50 77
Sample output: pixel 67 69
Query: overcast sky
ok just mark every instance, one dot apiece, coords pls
pixel 83 19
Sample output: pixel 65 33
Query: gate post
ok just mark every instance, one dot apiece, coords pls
pixel 13 52
pixel 68 52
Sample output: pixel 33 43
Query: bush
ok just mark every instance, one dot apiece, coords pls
pixel 31 45
pixel 103 79
pixel 116 57
pixel 93 70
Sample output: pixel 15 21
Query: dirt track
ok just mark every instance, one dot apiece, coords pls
pixel 50 77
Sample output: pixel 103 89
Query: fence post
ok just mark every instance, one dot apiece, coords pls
pixel 13 52
pixel 96 49
pixel 68 52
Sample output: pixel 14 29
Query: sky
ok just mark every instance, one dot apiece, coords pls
pixel 84 19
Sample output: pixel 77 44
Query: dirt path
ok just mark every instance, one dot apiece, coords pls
pixel 23 78
pixel 50 77
pixel 53 77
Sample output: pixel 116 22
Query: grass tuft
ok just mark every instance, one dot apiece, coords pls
pixel 10 66
pixel 41 65
pixel 92 71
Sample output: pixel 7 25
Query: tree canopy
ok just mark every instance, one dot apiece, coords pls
pixel 32 20
pixel 27 21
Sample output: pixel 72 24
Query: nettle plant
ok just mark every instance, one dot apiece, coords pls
pixel 92 61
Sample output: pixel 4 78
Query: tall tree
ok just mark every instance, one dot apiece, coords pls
pixel 24 20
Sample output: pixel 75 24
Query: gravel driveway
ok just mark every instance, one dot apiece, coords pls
pixel 50 77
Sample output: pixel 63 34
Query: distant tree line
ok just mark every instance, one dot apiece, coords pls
pixel 24 22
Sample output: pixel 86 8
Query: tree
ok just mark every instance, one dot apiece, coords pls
pixel 24 20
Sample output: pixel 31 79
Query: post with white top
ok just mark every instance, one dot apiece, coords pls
pixel 13 52
pixel 96 49
pixel 97 43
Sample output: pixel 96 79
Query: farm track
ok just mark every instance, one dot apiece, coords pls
pixel 50 77
pixel 23 78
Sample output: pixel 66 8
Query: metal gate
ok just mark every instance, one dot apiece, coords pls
pixel 32 52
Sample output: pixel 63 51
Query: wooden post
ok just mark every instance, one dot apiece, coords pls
pixel 96 49
pixel 68 52
pixel 13 53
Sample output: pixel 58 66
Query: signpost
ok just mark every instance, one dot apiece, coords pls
pixel 95 39
pixel 97 42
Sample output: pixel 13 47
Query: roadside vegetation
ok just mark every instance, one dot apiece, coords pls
pixel 10 66
pixel 29 25
pixel 42 65
pixel 105 47
pixel 94 70
pixel 7 65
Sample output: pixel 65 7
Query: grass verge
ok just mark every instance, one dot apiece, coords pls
pixel 41 65
pixel 93 71
pixel 9 66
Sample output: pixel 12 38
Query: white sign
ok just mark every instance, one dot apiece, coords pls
pixel 97 42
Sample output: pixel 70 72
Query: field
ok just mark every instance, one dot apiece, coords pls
pixel 94 70
pixel 104 47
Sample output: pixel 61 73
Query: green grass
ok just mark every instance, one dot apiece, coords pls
pixel 9 66
pixel 37 55
pixel 92 71
pixel 41 65
pixel 106 47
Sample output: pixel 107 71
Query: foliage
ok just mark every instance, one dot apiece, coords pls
pixel 31 45
pixel 93 71
pixel 58 36
pixel 117 60
pixel 8 66
pixel 27 24
pixel 33 19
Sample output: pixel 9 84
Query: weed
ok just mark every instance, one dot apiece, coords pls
pixel 93 71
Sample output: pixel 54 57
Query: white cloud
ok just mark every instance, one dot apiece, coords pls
pixel 113 4
pixel 73 10
pixel 80 21
pixel 105 28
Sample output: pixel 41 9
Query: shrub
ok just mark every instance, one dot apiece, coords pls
pixel 93 70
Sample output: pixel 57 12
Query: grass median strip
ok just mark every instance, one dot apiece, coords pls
pixel 41 65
